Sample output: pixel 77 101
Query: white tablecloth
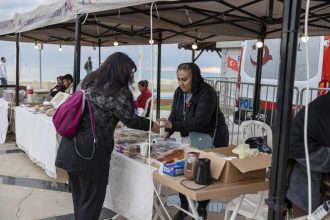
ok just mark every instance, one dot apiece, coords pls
pixel 3 120
pixel 130 190
pixel 36 135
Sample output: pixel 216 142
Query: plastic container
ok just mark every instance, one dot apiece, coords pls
pixel 161 129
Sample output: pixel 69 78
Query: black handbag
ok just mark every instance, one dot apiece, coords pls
pixel 258 143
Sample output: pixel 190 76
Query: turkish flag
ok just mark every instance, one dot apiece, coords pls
pixel 232 64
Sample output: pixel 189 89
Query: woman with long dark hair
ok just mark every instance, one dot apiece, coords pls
pixel 88 166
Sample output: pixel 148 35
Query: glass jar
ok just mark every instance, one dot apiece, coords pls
pixel 190 165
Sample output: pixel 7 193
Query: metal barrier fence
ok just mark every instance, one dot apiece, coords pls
pixel 236 103
pixel 313 94
pixel 212 80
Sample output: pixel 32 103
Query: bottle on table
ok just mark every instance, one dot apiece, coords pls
pixel 29 93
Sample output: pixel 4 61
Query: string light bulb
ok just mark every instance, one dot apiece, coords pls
pixel 259 44
pixel 194 46
pixel 60 48
pixel 151 41
pixel 304 39
pixel 115 43
pixel 36 45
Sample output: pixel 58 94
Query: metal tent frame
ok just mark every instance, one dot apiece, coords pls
pixel 188 21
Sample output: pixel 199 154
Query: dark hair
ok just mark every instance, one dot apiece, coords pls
pixel 3 58
pixel 115 73
pixel 143 83
pixel 68 77
pixel 59 77
pixel 197 78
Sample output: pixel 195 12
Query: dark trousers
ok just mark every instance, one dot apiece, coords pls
pixel 88 197
pixel 184 202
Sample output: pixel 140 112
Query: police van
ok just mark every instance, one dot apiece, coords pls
pixel 319 54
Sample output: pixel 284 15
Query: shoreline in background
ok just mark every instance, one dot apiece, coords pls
pixel 168 87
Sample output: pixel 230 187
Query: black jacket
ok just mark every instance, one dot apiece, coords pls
pixel 199 115
pixel 108 111
pixel 318 131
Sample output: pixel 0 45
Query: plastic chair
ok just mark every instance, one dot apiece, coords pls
pixel 254 128
pixel 147 107
pixel 252 206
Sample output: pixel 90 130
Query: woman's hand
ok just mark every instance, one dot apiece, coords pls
pixel 155 128
pixel 166 135
pixel 163 122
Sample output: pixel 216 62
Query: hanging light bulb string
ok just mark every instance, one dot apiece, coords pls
pixel 116 43
pixel 309 184
pixel 60 48
pixel 151 41
pixel 260 42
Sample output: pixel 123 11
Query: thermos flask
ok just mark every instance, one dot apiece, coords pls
pixel 203 172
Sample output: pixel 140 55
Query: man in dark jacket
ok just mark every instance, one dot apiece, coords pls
pixel 318 132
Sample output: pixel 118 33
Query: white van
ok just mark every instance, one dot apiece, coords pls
pixel 319 52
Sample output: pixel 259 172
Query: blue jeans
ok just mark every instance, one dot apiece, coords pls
pixel 3 81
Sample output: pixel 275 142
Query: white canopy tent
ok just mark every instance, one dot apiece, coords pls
pixel 101 22
pixel 177 21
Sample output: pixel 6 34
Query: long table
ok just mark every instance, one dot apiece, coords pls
pixel 130 190
pixel 3 120
pixel 36 136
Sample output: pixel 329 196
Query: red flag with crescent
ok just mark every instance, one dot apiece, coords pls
pixel 232 64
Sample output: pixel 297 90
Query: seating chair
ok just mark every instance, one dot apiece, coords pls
pixel 253 206
pixel 147 106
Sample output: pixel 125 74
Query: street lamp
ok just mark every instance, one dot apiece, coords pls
pixel 39 46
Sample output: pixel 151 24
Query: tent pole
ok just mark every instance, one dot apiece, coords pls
pixel 99 43
pixel 77 54
pixel 17 69
pixel 257 83
pixel 159 65
pixel 40 69
pixel 193 55
pixel 289 39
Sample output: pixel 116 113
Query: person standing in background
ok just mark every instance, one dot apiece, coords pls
pixel 144 96
pixel 88 65
pixel 3 71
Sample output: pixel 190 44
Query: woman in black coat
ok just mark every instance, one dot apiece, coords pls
pixel 88 166
pixel 195 109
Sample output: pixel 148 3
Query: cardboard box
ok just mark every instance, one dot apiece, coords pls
pixel 236 170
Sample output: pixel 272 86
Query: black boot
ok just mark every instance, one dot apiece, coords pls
pixel 180 215
pixel 202 212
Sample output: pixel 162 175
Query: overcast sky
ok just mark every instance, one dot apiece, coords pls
pixel 56 63
pixel 8 8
